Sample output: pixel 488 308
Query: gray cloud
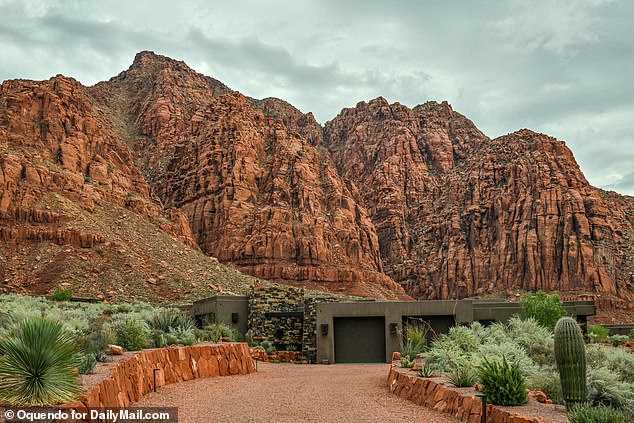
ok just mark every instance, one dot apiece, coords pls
pixel 561 68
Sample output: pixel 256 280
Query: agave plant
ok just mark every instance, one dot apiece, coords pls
pixel 38 367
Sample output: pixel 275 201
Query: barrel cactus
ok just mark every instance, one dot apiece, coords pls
pixel 570 355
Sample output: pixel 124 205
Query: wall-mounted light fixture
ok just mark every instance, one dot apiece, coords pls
pixel 393 328
pixel 324 329
pixel 235 317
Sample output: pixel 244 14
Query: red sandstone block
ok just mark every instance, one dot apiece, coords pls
pixel 440 406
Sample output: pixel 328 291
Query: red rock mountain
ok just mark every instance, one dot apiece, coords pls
pixel 459 215
pixel 382 198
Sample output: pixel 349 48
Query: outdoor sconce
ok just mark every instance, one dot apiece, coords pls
pixel 235 317
pixel 324 329
pixel 393 328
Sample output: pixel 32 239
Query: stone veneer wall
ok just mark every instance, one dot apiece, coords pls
pixel 271 299
pixel 309 339
pixel 134 377
pixel 436 396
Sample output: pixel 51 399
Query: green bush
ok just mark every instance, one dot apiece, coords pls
pixel 170 318
pixel 508 350
pixel 621 361
pixel 425 371
pixel 132 334
pixel 536 340
pixel 38 365
pixel 415 343
pixel 445 356
pixel 585 413
pixel 502 383
pixel 547 309
pixel 618 340
pixel 61 295
pixel 605 388
pixel 406 362
pixel 598 334
pixel 86 363
pixel 463 377
pixel 631 335
pixel 268 347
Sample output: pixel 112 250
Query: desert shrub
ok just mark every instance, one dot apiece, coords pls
pixel 237 336
pixel 415 343
pixel 598 333
pixel 606 389
pixel 595 355
pixel 86 363
pixel 547 380
pixel 268 347
pixel 502 382
pixel 509 351
pixel 536 340
pixel 547 309
pixel 132 334
pixel 465 338
pixel 621 361
pixel 585 413
pixel 95 339
pixel 407 362
pixel 61 295
pixel 464 376
pixel 165 319
pixel 425 371
pixel 631 335
pixel 618 340
pixel 38 365
pixel 445 356
pixel 213 332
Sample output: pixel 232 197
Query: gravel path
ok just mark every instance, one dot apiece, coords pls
pixel 293 393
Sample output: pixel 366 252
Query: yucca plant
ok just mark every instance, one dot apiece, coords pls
pixel 425 371
pixel 502 382
pixel 38 367
pixel 463 377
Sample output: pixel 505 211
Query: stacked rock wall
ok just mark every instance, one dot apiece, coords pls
pixel 134 377
pixel 281 330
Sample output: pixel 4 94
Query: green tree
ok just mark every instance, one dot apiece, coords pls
pixel 547 309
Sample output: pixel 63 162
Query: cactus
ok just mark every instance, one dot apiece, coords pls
pixel 570 355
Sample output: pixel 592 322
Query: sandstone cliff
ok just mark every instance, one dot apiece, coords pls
pixel 256 192
pixel 76 212
pixel 137 175
pixel 460 215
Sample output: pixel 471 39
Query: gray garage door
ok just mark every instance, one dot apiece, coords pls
pixel 359 339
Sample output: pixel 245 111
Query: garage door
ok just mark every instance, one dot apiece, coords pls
pixel 359 339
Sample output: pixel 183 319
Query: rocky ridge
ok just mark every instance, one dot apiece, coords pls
pixel 382 201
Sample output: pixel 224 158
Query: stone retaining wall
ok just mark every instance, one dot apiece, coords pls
pixel 134 377
pixel 436 396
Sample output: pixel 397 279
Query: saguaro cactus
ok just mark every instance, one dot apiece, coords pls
pixel 570 354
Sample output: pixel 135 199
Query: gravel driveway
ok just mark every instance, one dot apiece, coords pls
pixel 293 393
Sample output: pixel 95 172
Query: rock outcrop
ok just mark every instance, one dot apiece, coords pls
pixel 460 215
pixel 256 192
pixel 384 201
pixel 75 211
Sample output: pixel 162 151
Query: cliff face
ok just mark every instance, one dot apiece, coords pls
pixel 74 209
pixel 136 176
pixel 460 215
pixel 255 190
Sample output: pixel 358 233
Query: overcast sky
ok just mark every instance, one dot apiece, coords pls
pixel 565 68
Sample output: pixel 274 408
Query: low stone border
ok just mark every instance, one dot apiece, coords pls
pixel 436 396
pixel 134 377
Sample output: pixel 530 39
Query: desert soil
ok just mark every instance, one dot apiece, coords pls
pixel 293 393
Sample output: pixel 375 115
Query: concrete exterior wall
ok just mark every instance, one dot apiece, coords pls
pixel 223 307
pixel 461 311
